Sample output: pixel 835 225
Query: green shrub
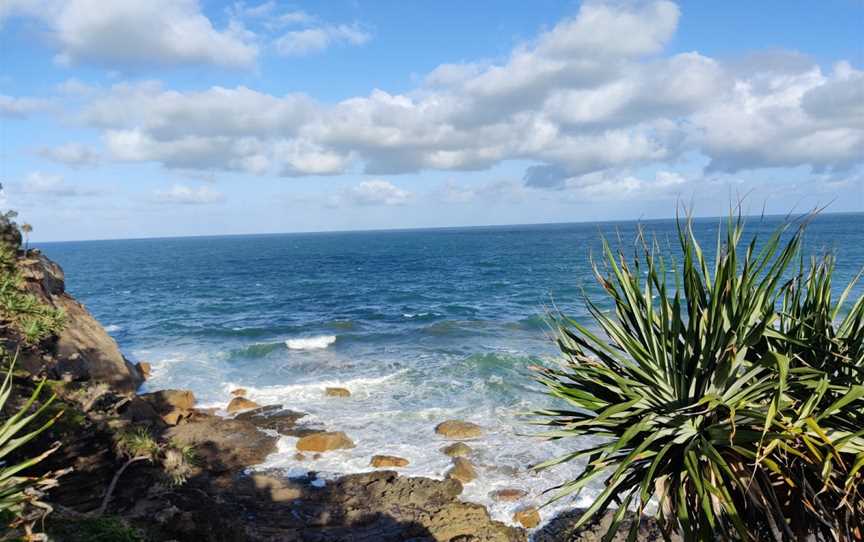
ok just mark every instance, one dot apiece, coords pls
pixel 727 395
pixel 101 529
pixel 23 311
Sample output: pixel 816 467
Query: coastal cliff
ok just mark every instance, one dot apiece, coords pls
pixel 216 499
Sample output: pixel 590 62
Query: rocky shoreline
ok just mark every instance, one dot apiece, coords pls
pixel 222 498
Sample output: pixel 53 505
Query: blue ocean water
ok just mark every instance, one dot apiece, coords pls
pixel 420 325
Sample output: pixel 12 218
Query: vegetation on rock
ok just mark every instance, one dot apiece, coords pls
pixel 730 394
pixel 33 320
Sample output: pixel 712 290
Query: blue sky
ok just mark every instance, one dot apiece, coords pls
pixel 184 117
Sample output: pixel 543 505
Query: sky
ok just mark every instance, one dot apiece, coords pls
pixel 129 119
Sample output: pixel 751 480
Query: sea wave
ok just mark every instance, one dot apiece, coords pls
pixel 113 328
pixel 311 343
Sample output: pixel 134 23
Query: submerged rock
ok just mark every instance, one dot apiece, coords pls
pixel 281 420
pixel 462 470
pixel 509 494
pixel 337 392
pixel 324 442
pixel 383 461
pixel 458 430
pixel 240 403
pixel 528 517
pixel 457 449
pixel 239 392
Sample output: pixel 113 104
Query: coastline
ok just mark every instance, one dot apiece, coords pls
pixel 225 495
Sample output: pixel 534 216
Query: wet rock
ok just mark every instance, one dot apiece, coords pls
pixel 276 418
pixel 462 470
pixel 324 442
pixel 458 430
pixel 299 457
pixel 145 369
pixel 224 444
pixel 527 517
pixel 239 392
pixel 384 461
pixel 240 403
pixel 337 392
pixel 509 494
pixel 457 449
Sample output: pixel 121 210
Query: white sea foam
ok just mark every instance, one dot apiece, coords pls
pixel 112 328
pixel 311 343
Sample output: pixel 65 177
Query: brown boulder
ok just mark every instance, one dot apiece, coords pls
pixel 527 517
pixel 458 430
pixel 384 461
pixel 324 441
pixel 240 403
pixel 457 449
pixel 171 405
pixel 239 392
pixel 145 369
pixel 337 392
pixel 462 470
pixel 223 444
pixel 509 494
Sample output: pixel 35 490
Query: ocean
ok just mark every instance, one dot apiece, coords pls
pixel 420 325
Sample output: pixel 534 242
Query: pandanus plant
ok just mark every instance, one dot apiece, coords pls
pixel 725 398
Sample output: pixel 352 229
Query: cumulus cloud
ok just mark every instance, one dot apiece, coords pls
pixel 316 39
pixel 184 195
pixel 12 107
pixel 71 154
pixel 129 32
pixel 45 184
pixel 583 103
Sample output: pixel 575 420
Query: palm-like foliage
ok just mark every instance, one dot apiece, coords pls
pixel 19 494
pixel 708 399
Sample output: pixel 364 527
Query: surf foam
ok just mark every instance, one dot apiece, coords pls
pixel 311 343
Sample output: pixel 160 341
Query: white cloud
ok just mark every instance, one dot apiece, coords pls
pixel 593 95
pixel 44 184
pixel 374 192
pixel 71 154
pixel 316 39
pixel 121 33
pixel 12 107
pixel 185 195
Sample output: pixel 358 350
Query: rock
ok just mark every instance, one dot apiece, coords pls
pixel 138 410
pixel 224 444
pixel 240 403
pixel 165 400
pixel 324 441
pixel 281 420
pixel 563 527
pixel 458 430
pixel 462 470
pixel 171 405
pixel 239 392
pixel 82 335
pixel 527 517
pixel 299 457
pixel 384 461
pixel 457 449
pixel 145 369
pixel 337 392
pixel 509 494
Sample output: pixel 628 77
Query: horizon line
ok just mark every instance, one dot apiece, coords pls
pixel 429 228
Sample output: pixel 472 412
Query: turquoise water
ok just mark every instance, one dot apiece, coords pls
pixel 421 325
